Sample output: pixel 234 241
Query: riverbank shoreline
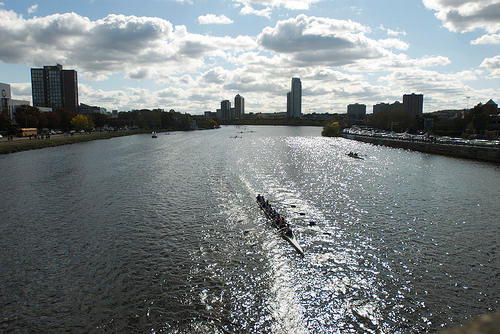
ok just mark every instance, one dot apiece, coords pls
pixel 25 144
pixel 488 154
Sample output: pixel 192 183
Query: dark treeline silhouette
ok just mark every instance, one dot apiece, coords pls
pixel 31 117
pixel 159 119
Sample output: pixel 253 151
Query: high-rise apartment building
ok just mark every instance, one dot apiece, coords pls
pixel 381 107
pixel 239 106
pixel 296 98
pixel 413 103
pixel 225 107
pixel 55 88
pixel 356 112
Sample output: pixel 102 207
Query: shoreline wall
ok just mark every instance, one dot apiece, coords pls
pixel 25 144
pixel 490 154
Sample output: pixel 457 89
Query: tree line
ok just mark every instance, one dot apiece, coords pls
pixel 30 117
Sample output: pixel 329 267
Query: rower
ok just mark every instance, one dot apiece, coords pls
pixel 283 226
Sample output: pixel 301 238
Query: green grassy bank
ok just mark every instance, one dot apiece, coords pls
pixel 24 144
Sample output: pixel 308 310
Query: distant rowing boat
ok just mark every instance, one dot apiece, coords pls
pixel 288 237
pixel 354 155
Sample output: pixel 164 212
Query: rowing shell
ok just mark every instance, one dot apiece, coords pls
pixel 292 240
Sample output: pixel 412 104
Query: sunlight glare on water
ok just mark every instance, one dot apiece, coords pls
pixel 166 236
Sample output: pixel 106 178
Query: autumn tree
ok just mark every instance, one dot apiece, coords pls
pixel 206 123
pixel 80 122
pixel 331 130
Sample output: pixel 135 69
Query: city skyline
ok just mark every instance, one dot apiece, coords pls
pixel 188 55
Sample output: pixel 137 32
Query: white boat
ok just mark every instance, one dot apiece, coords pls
pixel 153 135
pixel 288 237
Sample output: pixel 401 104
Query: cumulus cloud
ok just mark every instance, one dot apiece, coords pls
pixel 393 43
pixel 396 62
pixel 264 7
pixel 214 76
pixel 240 80
pixel 487 39
pixel 249 10
pixel 214 19
pixel 32 9
pixel 115 43
pixel 318 40
pixel 141 73
pixel 467 15
pixel 392 32
pixel 288 4
pixel 492 65
pixel 21 91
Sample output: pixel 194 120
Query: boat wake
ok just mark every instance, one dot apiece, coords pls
pixel 283 301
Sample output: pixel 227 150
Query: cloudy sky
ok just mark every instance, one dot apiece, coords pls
pixel 190 54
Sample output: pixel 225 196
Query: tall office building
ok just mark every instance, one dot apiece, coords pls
pixel 413 103
pixel 55 88
pixel 239 106
pixel 295 99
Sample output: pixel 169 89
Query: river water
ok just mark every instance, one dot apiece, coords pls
pixel 143 235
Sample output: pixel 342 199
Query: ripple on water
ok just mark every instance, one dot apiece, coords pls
pixel 165 235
